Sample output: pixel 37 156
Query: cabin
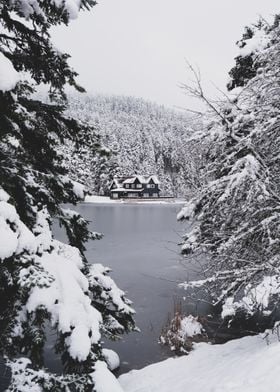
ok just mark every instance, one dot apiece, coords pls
pixel 135 187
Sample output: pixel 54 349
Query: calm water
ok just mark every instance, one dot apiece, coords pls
pixel 140 245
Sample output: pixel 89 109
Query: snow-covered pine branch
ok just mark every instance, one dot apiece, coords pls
pixel 235 219
pixel 45 283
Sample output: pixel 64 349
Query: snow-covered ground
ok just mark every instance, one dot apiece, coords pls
pixel 104 199
pixel 249 364
pixel 100 199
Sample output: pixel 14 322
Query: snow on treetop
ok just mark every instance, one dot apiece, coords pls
pixel 255 44
pixel 71 6
pixel 8 75
pixel 29 7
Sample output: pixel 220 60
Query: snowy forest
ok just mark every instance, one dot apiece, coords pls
pixel 57 299
pixel 141 137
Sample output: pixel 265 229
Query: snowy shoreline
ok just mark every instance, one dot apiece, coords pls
pixel 106 200
pixel 248 364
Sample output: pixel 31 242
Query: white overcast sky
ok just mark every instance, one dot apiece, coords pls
pixel 139 47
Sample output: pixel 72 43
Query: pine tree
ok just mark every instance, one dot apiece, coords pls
pixel 45 283
pixel 235 218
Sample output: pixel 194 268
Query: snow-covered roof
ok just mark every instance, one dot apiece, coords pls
pixel 127 190
pixel 142 179
pixel 155 179
pixel 129 180
pixel 118 182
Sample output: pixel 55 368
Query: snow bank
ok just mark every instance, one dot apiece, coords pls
pixel 8 75
pixel 244 365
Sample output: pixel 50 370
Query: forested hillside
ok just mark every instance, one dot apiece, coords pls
pixel 143 138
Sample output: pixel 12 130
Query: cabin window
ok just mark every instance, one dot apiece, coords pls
pixel 127 186
pixel 115 195
pixel 155 195
pixel 139 186
pixel 133 186
pixel 130 195
pixel 152 185
pixel 146 195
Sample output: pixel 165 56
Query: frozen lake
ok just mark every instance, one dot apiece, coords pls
pixel 140 244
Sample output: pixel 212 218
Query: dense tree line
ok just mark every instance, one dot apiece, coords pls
pixel 142 138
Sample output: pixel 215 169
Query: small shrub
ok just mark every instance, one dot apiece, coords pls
pixel 182 331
